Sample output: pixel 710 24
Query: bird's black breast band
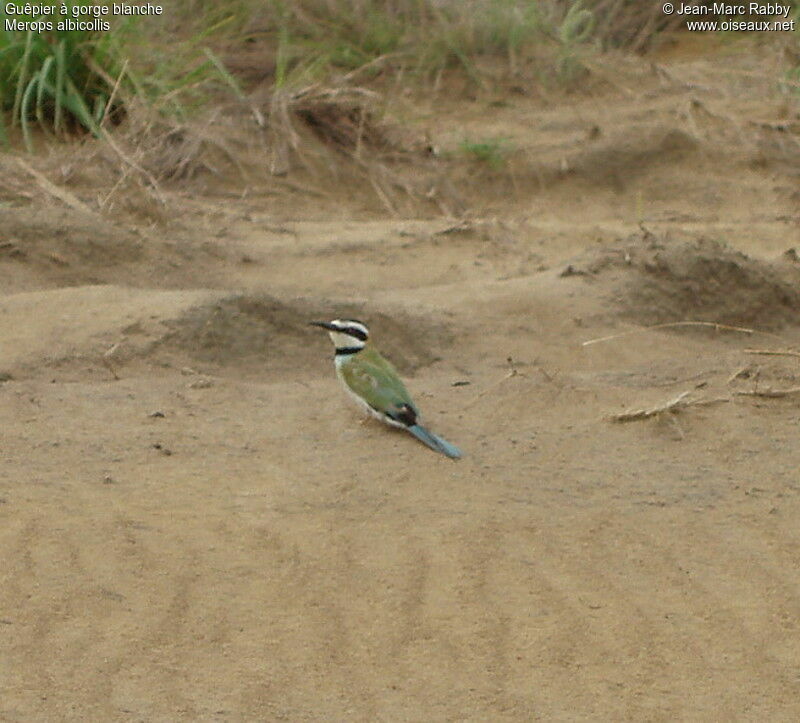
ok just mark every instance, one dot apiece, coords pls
pixel 345 350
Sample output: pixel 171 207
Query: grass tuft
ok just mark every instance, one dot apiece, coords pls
pixel 316 39
pixel 493 152
pixel 65 80
pixel 59 79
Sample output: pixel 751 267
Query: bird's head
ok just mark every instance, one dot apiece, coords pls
pixel 347 335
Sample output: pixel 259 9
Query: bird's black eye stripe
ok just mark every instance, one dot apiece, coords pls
pixel 357 333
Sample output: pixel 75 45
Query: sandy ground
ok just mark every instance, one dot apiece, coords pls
pixel 195 526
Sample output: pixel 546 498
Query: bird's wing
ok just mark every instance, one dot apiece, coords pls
pixel 375 380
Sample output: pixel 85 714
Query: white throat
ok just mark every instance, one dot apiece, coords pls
pixel 345 341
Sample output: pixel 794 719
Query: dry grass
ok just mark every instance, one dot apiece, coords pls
pixel 313 133
pixel 317 114
pixel 769 393
pixel 631 24
pixel 51 189
pixel 325 130
pixel 773 352
pixel 671 406
pixel 677 324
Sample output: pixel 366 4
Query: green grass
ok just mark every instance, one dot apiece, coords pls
pixel 56 78
pixel 318 38
pixel 574 32
pixel 792 76
pixel 63 81
pixel 493 152
pixel 68 80
pixel 791 82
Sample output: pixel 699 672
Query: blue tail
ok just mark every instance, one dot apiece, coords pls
pixel 437 444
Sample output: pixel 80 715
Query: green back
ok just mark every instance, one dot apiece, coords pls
pixel 375 380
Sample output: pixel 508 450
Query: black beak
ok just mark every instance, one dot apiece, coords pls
pixel 324 324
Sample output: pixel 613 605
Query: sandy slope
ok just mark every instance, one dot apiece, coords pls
pixel 214 536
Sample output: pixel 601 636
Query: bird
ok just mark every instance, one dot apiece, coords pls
pixel 374 383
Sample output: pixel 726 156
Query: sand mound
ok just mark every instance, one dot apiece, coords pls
pixel 257 331
pixel 76 325
pixel 227 334
pixel 256 335
pixel 618 160
pixel 659 280
pixel 55 247
pixel 64 246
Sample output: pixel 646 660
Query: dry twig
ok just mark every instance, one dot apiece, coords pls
pixel 108 359
pixel 711 324
pixel 769 393
pixel 740 372
pixel 149 177
pixel 56 191
pixel 673 405
pixel 773 352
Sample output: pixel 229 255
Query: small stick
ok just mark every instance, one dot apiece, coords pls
pixel 652 411
pixel 712 324
pixel 673 405
pixel 459 227
pixel 380 60
pixel 739 372
pixel 151 179
pixel 770 393
pixel 108 362
pixel 113 95
pixel 56 191
pixel 773 352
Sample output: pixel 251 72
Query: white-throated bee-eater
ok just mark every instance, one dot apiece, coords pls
pixel 374 383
